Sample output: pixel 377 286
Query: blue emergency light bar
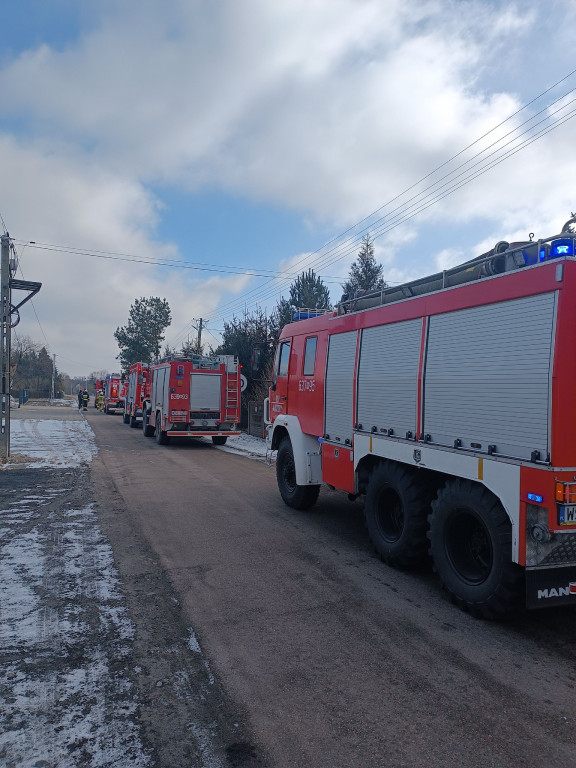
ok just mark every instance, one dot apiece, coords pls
pixel 563 247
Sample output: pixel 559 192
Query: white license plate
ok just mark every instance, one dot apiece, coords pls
pixel 567 514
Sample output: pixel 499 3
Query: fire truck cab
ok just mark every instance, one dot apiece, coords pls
pixel 448 403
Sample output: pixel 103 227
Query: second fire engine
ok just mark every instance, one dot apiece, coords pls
pixel 193 397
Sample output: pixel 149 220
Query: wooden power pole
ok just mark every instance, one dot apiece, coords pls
pixel 5 347
pixel 9 317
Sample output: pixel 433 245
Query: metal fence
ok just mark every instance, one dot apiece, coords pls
pixel 256 418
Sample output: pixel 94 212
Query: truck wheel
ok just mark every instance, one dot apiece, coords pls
pixel 147 430
pixel 295 496
pixel 397 507
pixel 160 435
pixel 133 421
pixel 220 439
pixel 126 417
pixel 471 544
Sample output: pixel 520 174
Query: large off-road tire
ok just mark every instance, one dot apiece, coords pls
pixel 126 417
pixel 147 430
pixel 397 507
pixel 220 439
pixel 160 434
pixel 471 545
pixel 133 421
pixel 295 496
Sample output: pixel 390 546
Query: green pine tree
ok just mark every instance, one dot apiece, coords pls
pixel 141 339
pixel 365 273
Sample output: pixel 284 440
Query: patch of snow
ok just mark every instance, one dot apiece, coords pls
pixel 247 445
pixel 193 643
pixel 52 443
pixel 67 701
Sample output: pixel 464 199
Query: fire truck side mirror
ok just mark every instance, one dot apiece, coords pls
pixel 256 357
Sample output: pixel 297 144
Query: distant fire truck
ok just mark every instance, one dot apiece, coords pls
pixel 137 387
pixel 449 403
pixel 112 389
pixel 193 397
pixel 122 395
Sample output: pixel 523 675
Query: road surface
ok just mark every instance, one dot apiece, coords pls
pixel 329 658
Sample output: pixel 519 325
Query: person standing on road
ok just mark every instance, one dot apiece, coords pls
pixel 85 399
pixel 80 393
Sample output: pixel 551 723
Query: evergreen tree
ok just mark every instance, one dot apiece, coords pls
pixel 142 337
pixel 281 316
pixel 43 373
pixel 365 273
pixel 308 291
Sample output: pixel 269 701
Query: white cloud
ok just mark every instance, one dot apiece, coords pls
pixel 328 108
pixel 84 299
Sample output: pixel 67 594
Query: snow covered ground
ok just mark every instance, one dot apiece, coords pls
pixel 66 639
pixel 51 443
pixel 55 443
pixel 248 445
pixel 67 701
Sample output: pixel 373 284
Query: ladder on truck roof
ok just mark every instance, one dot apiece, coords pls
pixel 504 257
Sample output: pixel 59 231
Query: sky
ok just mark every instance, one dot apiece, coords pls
pixel 207 153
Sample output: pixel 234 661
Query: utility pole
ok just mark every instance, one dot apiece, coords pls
pixel 199 329
pixel 5 347
pixel 9 318
pixel 53 379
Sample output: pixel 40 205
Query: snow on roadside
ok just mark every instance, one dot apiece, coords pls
pixel 247 445
pixel 51 443
pixel 65 634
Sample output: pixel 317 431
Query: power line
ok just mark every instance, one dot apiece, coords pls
pixel 341 246
pixel 172 263
pixel 345 248
pixel 325 257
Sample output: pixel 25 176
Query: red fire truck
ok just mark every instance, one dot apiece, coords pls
pixel 448 402
pixel 112 387
pixel 122 395
pixel 137 387
pixel 193 397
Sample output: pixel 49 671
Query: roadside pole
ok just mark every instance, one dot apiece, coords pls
pixel 5 347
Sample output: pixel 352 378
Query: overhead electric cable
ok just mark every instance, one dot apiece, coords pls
pixel 325 256
pixel 322 261
pixel 172 263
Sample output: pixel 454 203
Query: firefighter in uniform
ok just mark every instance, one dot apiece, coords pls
pixel 85 399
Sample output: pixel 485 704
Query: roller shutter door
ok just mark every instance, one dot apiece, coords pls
pixel 388 377
pixel 488 376
pixel 339 388
pixel 205 389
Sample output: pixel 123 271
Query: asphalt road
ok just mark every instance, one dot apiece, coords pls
pixel 328 658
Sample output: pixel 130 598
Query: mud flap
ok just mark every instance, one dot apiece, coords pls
pixel 546 587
